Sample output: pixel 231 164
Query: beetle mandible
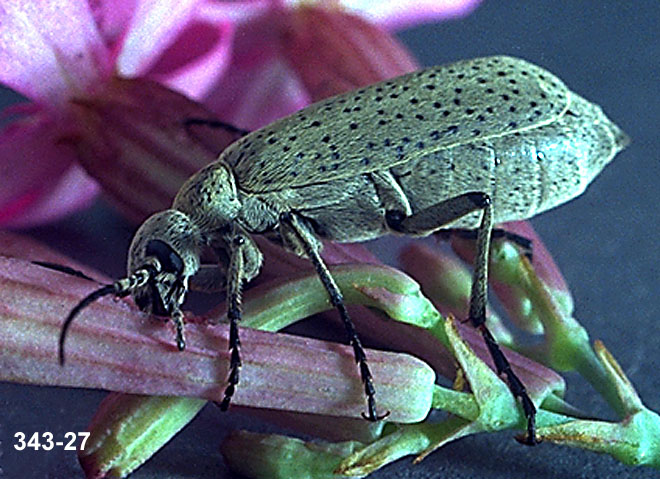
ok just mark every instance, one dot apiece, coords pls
pixel 460 146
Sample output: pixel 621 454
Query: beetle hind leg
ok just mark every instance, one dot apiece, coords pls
pixel 301 237
pixel 445 212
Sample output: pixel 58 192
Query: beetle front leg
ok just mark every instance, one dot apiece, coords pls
pixel 433 218
pixel 235 277
pixel 300 235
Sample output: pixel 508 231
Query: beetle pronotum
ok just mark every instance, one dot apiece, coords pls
pixel 460 146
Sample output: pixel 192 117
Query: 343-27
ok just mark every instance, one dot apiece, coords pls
pixel 46 441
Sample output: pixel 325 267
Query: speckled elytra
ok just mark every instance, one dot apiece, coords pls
pixel 460 146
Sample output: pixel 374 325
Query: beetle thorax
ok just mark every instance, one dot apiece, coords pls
pixel 209 198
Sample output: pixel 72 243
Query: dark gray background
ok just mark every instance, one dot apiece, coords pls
pixel 605 244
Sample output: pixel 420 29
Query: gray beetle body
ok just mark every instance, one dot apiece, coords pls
pixel 531 144
pixel 457 146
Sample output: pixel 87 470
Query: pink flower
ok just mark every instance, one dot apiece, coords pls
pixel 247 61
pixel 59 51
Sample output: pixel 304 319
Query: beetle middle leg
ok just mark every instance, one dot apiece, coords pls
pixel 300 236
pixel 235 278
pixel 433 218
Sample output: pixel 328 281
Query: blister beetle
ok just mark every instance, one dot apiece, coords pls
pixel 460 146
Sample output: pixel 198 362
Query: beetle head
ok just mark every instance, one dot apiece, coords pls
pixel 167 248
pixel 164 254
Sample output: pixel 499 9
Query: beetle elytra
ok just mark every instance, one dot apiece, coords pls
pixel 460 146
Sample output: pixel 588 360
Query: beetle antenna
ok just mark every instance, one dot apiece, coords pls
pixel 119 288
pixel 64 269
pixel 99 293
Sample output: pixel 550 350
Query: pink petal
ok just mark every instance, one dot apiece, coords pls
pixel 50 51
pixel 153 28
pixel 71 192
pixel 38 180
pixel 176 44
pixel 399 14
pixel 333 51
pixel 196 59
pixel 251 96
pixel 113 18
pixel 259 86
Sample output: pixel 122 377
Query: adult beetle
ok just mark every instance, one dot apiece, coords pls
pixel 460 146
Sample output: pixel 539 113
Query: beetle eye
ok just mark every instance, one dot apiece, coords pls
pixel 169 260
